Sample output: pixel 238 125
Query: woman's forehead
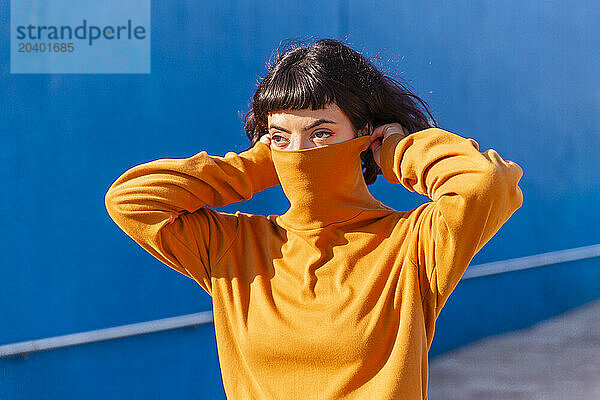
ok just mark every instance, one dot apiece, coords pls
pixel 331 112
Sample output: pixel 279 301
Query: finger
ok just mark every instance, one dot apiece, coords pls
pixel 266 139
pixel 376 145
pixel 376 149
pixel 367 144
pixel 378 132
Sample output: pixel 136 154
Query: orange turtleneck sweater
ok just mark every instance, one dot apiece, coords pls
pixel 336 298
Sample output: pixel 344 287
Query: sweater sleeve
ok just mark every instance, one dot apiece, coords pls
pixel 162 205
pixel 473 194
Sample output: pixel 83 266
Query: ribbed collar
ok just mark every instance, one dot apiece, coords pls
pixel 324 185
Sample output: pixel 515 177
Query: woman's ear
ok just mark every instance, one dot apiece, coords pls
pixel 366 130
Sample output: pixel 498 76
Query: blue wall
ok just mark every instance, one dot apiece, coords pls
pixel 520 78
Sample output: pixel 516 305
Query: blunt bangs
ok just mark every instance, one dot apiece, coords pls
pixel 295 88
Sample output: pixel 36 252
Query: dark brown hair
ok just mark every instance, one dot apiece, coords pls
pixel 328 71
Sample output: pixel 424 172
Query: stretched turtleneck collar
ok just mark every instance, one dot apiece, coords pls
pixel 324 185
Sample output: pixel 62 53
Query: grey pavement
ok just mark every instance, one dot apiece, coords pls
pixel 555 359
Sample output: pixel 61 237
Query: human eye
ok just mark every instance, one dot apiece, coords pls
pixel 322 134
pixel 278 139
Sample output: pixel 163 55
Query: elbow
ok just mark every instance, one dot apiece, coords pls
pixel 502 183
pixel 108 201
pixel 111 202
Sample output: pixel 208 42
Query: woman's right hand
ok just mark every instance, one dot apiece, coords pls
pixel 266 139
pixel 381 132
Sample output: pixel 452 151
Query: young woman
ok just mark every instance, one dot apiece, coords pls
pixel 337 298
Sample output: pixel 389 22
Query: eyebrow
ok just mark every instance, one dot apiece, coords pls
pixel 317 122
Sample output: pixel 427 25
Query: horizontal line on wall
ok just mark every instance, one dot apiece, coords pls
pixel 98 335
pixel 205 317
pixel 538 260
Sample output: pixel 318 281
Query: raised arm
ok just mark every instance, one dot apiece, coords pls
pixel 473 194
pixel 162 205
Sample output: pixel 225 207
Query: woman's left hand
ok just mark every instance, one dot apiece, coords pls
pixel 378 136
